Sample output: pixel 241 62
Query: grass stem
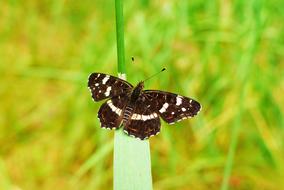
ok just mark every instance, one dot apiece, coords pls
pixel 132 161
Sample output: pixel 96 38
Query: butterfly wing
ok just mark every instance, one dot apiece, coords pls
pixel 103 86
pixel 110 113
pixel 172 107
pixel 143 122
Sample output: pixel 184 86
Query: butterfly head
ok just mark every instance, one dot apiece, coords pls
pixel 138 88
pixel 140 85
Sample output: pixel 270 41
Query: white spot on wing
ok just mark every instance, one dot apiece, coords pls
pixel 143 117
pixel 164 108
pixel 106 79
pixel 118 111
pixel 183 109
pixel 178 100
pixel 134 116
pixel 97 84
pixel 114 108
pixel 108 91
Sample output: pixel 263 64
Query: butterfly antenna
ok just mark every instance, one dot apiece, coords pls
pixel 155 74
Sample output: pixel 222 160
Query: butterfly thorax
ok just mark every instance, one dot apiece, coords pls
pixel 136 92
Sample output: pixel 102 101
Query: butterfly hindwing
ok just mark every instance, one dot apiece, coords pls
pixel 143 129
pixel 143 122
pixel 103 86
pixel 110 113
pixel 172 107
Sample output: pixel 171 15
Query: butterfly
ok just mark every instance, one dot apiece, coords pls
pixel 138 110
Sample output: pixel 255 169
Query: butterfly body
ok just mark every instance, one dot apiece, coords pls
pixel 138 110
pixel 136 92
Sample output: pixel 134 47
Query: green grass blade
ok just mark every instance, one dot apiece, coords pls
pixel 244 72
pixel 120 36
pixel 132 161
pixel 231 154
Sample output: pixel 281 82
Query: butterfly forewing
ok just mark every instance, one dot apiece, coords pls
pixel 172 107
pixel 103 86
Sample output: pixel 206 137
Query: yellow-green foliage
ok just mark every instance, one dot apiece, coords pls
pixel 226 54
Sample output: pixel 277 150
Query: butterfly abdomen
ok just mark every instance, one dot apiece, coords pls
pixel 128 111
pixel 127 114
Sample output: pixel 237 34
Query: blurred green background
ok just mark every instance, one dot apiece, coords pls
pixel 226 54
